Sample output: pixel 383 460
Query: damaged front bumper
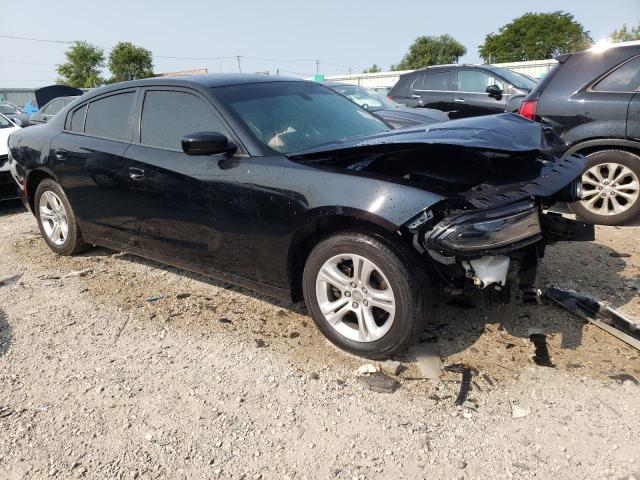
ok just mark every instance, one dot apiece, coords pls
pixel 482 249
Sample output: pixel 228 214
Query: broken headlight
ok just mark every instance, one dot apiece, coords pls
pixel 490 229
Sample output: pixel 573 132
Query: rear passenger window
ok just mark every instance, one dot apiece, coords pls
pixel 109 117
pixel 168 116
pixel 624 79
pixel 77 119
pixel 433 81
pixel 476 81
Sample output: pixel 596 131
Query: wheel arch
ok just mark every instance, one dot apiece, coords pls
pixel 33 180
pixel 322 225
pixel 592 146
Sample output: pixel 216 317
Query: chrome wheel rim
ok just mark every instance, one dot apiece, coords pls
pixel 609 189
pixel 53 217
pixel 355 297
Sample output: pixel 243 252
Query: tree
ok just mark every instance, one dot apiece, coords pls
pixel 625 34
pixel 427 51
pixel 129 62
pixel 535 36
pixel 373 69
pixel 83 65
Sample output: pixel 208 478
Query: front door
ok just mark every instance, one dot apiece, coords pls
pixel 471 98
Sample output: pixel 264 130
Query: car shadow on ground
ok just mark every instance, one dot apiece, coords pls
pixel 5 333
pixel 11 207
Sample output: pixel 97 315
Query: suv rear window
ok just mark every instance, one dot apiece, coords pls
pixel 625 78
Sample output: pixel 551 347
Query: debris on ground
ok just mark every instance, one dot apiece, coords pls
pixel 467 372
pixel 541 355
pixel 155 298
pixel 391 367
pixel 366 369
pixel 5 412
pixel 182 295
pixel 79 273
pixel 428 360
pixel 260 343
pixel 379 382
pixel 518 412
pixel 624 377
pixel 224 320
pixel 10 280
pixel 597 313
pixel 619 255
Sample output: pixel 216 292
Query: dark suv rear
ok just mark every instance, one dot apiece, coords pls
pixel 463 90
pixel 591 99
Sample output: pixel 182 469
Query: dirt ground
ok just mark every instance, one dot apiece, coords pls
pixel 112 366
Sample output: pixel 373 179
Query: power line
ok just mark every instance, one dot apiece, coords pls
pixel 13 37
pixel 29 63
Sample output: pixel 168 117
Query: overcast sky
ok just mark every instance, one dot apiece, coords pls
pixel 341 34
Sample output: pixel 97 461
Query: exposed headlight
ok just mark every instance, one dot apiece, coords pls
pixel 490 229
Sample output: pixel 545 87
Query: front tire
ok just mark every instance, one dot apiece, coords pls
pixel 611 188
pixel 56 220
pixel 367 296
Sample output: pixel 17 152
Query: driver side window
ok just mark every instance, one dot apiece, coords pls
pixel 167 116
pixel 475 81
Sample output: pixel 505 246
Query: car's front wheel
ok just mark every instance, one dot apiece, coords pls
pixel 57 222
pixel 367 296
pixel 611 188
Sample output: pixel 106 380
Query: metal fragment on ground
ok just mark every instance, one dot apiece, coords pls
pixel 597 313
pixel 465 386
pixel 428 360
pixel 379 382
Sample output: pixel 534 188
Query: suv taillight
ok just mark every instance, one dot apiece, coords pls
pixel 528 109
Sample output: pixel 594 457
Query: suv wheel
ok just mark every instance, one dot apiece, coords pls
pixel 368 297
pixel 611 188
pixel 56 219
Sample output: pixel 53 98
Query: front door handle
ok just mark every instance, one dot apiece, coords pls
pixel 415 96
pixel 60 153
pixel 459 100
pixel 136 173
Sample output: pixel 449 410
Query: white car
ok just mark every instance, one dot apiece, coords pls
pixel 8 189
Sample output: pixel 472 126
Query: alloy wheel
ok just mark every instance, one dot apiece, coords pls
pixel 53 217
pixel 355 297
pixel 609 189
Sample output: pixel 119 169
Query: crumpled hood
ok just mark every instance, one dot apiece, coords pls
pixel 505 132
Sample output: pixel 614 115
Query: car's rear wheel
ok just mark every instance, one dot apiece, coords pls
pixel 611 188
pixel 367 296
pixel 56 219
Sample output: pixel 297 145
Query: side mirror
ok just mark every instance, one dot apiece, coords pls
pixel 494 91
pixel 18 122
pixel 207 143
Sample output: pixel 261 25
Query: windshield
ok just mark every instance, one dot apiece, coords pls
pixel 366 98
pixel 6 108
pixel 515 79
pixel 292 116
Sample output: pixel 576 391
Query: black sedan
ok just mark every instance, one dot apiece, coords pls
pixel 395 114
pixel 288 188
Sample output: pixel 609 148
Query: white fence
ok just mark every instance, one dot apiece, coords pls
pixel 533 68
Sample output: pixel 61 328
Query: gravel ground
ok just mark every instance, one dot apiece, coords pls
pixel 98 380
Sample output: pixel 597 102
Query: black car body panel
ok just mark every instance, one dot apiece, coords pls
pixel 249 217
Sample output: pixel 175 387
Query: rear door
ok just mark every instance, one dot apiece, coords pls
pixel 433 89
pixel 89 158
pixel 195 209
pixel 471 98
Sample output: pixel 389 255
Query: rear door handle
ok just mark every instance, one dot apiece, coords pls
pixel 60 153
pixel 459 100
pixel 136 173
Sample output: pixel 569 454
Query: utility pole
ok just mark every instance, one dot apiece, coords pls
pixel 317 67
pixel 239 66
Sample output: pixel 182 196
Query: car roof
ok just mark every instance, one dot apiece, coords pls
pixel 340 84
pixel 454 65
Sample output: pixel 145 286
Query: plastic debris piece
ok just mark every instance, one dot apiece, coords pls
pixel 366 368
pixel 518 412
pixel 465 386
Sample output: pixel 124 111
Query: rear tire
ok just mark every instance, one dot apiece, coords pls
pixel 56 220
pixel 611 190
pixel 377 299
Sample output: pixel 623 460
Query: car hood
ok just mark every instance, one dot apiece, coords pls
pixel 505 132
pixel 45 94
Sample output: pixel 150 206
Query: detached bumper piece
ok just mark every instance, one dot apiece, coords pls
pixel 559 229
pixel 597 313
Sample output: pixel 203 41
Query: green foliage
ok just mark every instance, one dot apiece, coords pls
pixel 535 36
pixel 82 68
pixel 129 62
pixel 427 51
pixel 626 34
pixel 373 69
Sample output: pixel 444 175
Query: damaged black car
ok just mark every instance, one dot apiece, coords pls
pixel 289 189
